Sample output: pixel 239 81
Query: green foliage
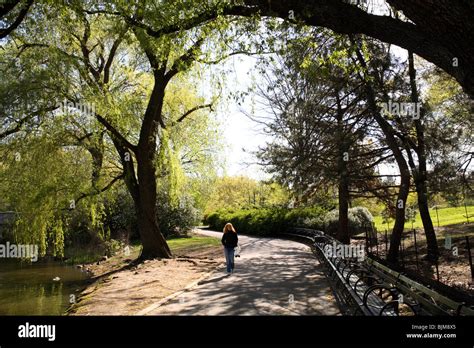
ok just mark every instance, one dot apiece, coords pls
pixel 43 63
pixel 375 206
pixel 360 220
pixel 449 135
pixel 38 180
pixel 266 221
pixel 185 162
pixel 243 192
pixel 57 146
pixel 176 219
pixel 170 170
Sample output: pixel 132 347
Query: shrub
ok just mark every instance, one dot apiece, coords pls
pixel 360 219
pixel 307 217
pixel 314 223
pixel 176 219
pixel 266 221
pixel 120 216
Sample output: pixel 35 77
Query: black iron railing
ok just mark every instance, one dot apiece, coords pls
pixel 363 286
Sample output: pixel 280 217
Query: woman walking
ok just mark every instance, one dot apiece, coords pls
pixel 229 241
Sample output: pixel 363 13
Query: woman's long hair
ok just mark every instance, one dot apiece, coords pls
pixel 229 228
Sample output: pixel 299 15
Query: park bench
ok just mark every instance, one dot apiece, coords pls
pixel 370 288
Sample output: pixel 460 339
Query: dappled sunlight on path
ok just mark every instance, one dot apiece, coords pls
pixel 272 277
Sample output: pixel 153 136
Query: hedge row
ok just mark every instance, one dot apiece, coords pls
pixel 266 221
pixel 272 221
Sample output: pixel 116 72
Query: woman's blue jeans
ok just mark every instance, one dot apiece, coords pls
pixel 229 258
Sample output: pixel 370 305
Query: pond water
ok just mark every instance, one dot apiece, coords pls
pixel 29 289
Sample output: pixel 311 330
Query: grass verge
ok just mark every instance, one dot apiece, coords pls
pixel 446 217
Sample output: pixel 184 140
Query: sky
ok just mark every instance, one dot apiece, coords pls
pixel 242 135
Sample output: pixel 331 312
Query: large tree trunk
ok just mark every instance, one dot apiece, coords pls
pixel 419 174
pixel 420 180
pixel 96 150
pixel 399 226
pixel 141 181
pixel 343 228
pixel 143 192
pixel 343 185
pixel 153 242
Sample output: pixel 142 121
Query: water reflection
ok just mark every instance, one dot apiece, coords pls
pixel 27 289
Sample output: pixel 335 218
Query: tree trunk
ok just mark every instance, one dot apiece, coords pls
pixel 419 174
pixel 420 180
pixel 399 226
pixel 143 192
pixel 141 181
pixel 404 187
pixel 343 228
pixel 96 150
pixel 153 242
pixel 343 185
pixel 432 243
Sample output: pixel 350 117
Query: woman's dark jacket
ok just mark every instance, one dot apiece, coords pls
pixel 230 240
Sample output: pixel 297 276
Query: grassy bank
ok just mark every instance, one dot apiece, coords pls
pixel 181 246
pixel 447 216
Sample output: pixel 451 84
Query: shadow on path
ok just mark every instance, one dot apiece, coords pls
pixel 272 277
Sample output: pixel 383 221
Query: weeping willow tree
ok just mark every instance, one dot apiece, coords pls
pixel 38 178
pixel 97 85
pixel 169 170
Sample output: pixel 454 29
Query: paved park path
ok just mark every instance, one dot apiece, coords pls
pixel 272 277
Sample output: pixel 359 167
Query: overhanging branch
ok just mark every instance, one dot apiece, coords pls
pixel 21 16
pixel 196 108
pixel 99 191
pixel 115 132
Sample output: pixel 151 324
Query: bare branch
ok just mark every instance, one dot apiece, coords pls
pixel 190 111
pixel 23 120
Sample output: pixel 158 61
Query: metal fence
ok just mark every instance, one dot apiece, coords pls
pixel 367 287
pixel 377 245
